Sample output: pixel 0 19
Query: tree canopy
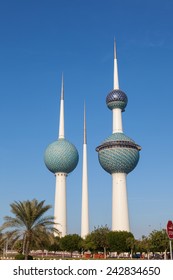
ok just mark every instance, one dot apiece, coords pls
pixel 119 241
pixel 159 241
pixel 97 239
pixel 70 243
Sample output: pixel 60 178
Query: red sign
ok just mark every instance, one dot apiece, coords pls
pixel 170 229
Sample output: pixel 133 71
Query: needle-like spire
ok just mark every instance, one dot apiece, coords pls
pixel 61 118
pixel 85 137
pixel 62 88
pixel 115 54
pixel 116 83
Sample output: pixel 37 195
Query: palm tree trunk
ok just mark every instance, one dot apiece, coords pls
pixel 24 245
pixel 27 250
pixel 131 253
pixel 28 244
pixel 104 252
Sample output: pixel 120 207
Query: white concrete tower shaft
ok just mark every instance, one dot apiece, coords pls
pixel 117 114
pixel 120 216
pixel 60 210
pixel 84 210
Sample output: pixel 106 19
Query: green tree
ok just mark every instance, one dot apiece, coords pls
pixel 48 242
pixel 130 242
pixel 119 241
pixel 97 240
pixel 54 245
pixel 144 245
pixel 70 243
pixel 29 224
pixel 1 243
pixel 159 241
pixel 88 244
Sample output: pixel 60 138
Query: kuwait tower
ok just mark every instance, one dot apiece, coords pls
pixel 118 155
pixel 61 157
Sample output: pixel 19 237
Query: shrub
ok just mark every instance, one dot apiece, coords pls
pixel 22 257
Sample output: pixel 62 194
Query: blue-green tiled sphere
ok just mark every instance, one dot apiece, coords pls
pixel 118 154
pixel 61 156
pixel 116 99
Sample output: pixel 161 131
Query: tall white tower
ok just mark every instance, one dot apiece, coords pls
pixel 118 155
pixel 61 158
pixel 84 212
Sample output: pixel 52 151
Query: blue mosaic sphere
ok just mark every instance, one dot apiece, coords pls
pixel 61 156
pixel 118 154
pixel 116 99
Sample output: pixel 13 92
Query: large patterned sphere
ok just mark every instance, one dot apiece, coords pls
pixel 61 156
pixel 116 99
pixel 118 154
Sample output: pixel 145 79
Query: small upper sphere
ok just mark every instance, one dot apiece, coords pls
pixel 116 99
pixel 61 156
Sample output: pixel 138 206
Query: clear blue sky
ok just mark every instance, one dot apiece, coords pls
pixel 39 40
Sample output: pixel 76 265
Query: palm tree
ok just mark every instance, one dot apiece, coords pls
pixel 29 224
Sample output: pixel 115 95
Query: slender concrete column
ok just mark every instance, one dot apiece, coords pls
pixel 60 210
pixel 84 212
pixel 120 217
pixel 117 120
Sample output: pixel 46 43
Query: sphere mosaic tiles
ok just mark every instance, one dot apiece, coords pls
pixel 61 156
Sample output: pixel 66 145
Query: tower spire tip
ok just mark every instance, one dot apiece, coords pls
pixel 116 82
pixel 61 118
pixel 85 138
pixel 115 55
pixel 62 88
